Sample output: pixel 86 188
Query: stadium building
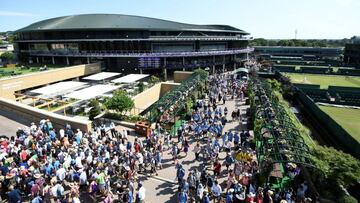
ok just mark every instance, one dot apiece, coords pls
pixel 126 43
pixel 301 55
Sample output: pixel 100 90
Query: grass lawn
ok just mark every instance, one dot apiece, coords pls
pixel 5 72
pixel 324 80
pixel 348 118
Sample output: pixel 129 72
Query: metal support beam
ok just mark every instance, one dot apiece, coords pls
pixel 53 60
pixel 88 60
pixel 223 63
pixel 67 61
pixel 165 74
pixel 165 70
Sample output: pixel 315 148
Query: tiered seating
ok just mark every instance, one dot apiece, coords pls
pixel 318 95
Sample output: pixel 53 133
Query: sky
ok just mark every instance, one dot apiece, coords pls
pixel 271 19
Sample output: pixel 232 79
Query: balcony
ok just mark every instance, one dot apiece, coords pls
pixel 118 53
pixel 141 38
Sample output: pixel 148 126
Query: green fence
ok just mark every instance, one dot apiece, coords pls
pixel 314 70
pixel 307 86
pixel 338 89
pixel 352 72
pixel 289 69
pixel 336 133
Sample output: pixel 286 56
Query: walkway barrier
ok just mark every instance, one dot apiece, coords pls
pixel 32 114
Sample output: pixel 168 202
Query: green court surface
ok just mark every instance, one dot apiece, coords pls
pixel 325 80
pixel 348 118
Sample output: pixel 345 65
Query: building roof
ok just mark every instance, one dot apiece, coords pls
pixel 101 76
pixel 58 88
pixel 131 78
pixel 120 22
pixel 91 92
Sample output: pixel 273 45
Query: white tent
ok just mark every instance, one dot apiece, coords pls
pixel 101 76
pixel 131 78
pixel 91 92
pixel 58 88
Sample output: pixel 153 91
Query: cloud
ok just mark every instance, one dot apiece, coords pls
pixel 15 14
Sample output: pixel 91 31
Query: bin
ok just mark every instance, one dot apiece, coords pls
pixel 142 128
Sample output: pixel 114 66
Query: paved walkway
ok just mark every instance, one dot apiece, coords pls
pixel 163 188
pixel 9 123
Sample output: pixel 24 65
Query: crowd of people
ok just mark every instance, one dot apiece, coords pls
pixel 43 164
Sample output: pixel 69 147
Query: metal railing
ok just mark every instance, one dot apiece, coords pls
pixel 138 38
pixel 136 53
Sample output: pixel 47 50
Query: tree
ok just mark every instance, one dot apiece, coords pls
pixel 7 56
pixel 336 165
pixel 10 39
pixel 259 42
pixel 95 109
pixel 203 73
pixel 282 43
pixel 141 86
pixel 119 102
pixel 154 79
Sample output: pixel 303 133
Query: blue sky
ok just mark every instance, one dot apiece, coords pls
pixel 274 19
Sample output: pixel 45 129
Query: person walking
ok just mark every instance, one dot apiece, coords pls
pixel 197 150
pixel 141 193
pixel 216 191
pixel 186 146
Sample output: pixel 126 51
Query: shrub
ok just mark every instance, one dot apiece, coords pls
pixel 119 102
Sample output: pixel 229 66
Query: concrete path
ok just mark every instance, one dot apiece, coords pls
pixel 10 123
pixel 163 188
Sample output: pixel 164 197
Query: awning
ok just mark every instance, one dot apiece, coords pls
pixel 131 78
pixel 91 92
pixel 101 76
pixel 58 88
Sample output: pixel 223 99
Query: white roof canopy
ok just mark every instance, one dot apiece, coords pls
pixel 59 88
pixel 131 78
pixel 91 92
pixel 101 76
